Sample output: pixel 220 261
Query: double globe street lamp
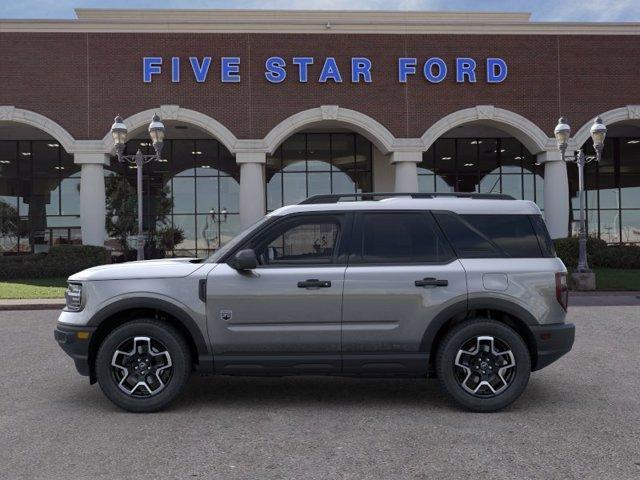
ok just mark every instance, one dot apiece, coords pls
pixel 584 276
pixel 119 133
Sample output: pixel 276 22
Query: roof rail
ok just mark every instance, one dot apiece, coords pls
pixel 337 197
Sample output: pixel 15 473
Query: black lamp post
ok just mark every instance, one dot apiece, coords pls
pixel 119 133
pixel 562 133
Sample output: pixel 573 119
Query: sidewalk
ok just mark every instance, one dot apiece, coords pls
pixel 576 299
pixel 603 299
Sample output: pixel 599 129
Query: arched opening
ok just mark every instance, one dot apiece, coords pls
pixel 612 186
pixel 39 189
pixel 481 158
pixel 325 150
pixel 318 161
pixel 190 196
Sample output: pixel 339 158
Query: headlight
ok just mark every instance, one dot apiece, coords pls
pixel 73 297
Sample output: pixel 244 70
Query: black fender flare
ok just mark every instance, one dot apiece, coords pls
pixel 465 306
pixel 205 358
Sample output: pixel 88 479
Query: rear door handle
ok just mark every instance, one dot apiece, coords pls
pixel 431 282
pixel 314 283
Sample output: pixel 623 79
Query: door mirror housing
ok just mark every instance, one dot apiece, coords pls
pixel 245 260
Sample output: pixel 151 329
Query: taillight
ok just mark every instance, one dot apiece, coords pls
pixel 562 290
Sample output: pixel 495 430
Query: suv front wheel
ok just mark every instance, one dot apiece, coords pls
pixel 143 365
pixel 483 364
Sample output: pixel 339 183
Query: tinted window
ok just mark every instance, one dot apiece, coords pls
pixel 546 244
pixel 514 234
pixel 402 238
pixel 466 239
pixel 300 242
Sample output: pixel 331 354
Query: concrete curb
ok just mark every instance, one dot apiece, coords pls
pixel 31 304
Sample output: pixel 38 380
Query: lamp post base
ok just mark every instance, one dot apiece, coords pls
pixel 584 281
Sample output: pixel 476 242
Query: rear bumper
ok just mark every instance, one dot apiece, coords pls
pixel 75 342
pixel 552 342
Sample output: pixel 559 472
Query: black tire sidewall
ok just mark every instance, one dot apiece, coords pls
pixel 450 347
pixel 180 358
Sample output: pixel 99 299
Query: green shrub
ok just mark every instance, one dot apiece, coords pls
pixel 618 256
pixel 599 254
pixel 60 261
pixel 567 249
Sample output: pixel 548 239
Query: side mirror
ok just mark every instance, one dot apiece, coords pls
pixel 245 260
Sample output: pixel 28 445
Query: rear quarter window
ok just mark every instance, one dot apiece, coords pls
pixel 492 235
pixel 514 234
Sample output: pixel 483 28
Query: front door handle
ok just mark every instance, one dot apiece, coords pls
pixel 431 282
pixel 314 283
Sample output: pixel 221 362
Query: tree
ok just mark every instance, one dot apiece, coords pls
pixel 10 226
pixel 122 210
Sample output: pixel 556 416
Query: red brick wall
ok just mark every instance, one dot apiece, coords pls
pixel 81 80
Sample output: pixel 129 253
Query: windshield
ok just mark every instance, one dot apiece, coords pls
pixel 235 241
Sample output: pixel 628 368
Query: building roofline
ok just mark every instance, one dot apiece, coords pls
pixel 217 15
pixel 312 21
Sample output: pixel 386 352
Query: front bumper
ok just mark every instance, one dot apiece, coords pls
pixel 552 342
pixel 75 340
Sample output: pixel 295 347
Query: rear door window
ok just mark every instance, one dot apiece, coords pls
pixel 400 238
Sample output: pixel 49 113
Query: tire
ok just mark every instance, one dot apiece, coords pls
pixel 143 365
pixel 471 373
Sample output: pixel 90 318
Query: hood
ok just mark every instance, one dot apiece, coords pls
pixel 164 268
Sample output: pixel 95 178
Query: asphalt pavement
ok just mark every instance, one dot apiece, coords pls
pixel 579 418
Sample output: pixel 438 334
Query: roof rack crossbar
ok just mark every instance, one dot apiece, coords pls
pixel 337 197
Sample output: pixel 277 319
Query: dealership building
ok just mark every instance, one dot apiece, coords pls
pixel 264 108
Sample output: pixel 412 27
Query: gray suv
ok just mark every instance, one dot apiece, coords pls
pixel 465 288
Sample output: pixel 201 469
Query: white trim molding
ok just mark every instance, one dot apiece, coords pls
pixel 363 124
pixel 9 113
pixel 629 112
pixel 177 113
pixel 528 133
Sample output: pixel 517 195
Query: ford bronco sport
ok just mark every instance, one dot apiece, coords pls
pixel 465 287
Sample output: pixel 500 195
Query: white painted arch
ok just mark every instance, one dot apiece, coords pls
pixel 622 114
pixel 9 113
pixel 363 124
pixel 528 133
pixel 177 113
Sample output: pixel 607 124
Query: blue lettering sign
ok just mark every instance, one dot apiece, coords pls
pixel 496 70
pixel 406 66
pixel 200 71
pixel 330 71
pixel 150 66
pixel 175 69
pixel 360 67
pixel 303 67
pixel 428 70
pixel 465 67
pixel 230 69
pixel 275 69
pixel 434 69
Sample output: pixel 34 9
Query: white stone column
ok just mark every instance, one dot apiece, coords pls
pixel 252 188
pixel 406 166
pixel 92 197
pixel 556 194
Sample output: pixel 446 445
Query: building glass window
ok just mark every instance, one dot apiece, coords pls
pixel 485 165
pixel 39 196
pixel 612 192
pixel 190 197
pixel 318 163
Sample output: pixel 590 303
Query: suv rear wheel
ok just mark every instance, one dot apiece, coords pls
pixel 143 365
pixel 483 364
